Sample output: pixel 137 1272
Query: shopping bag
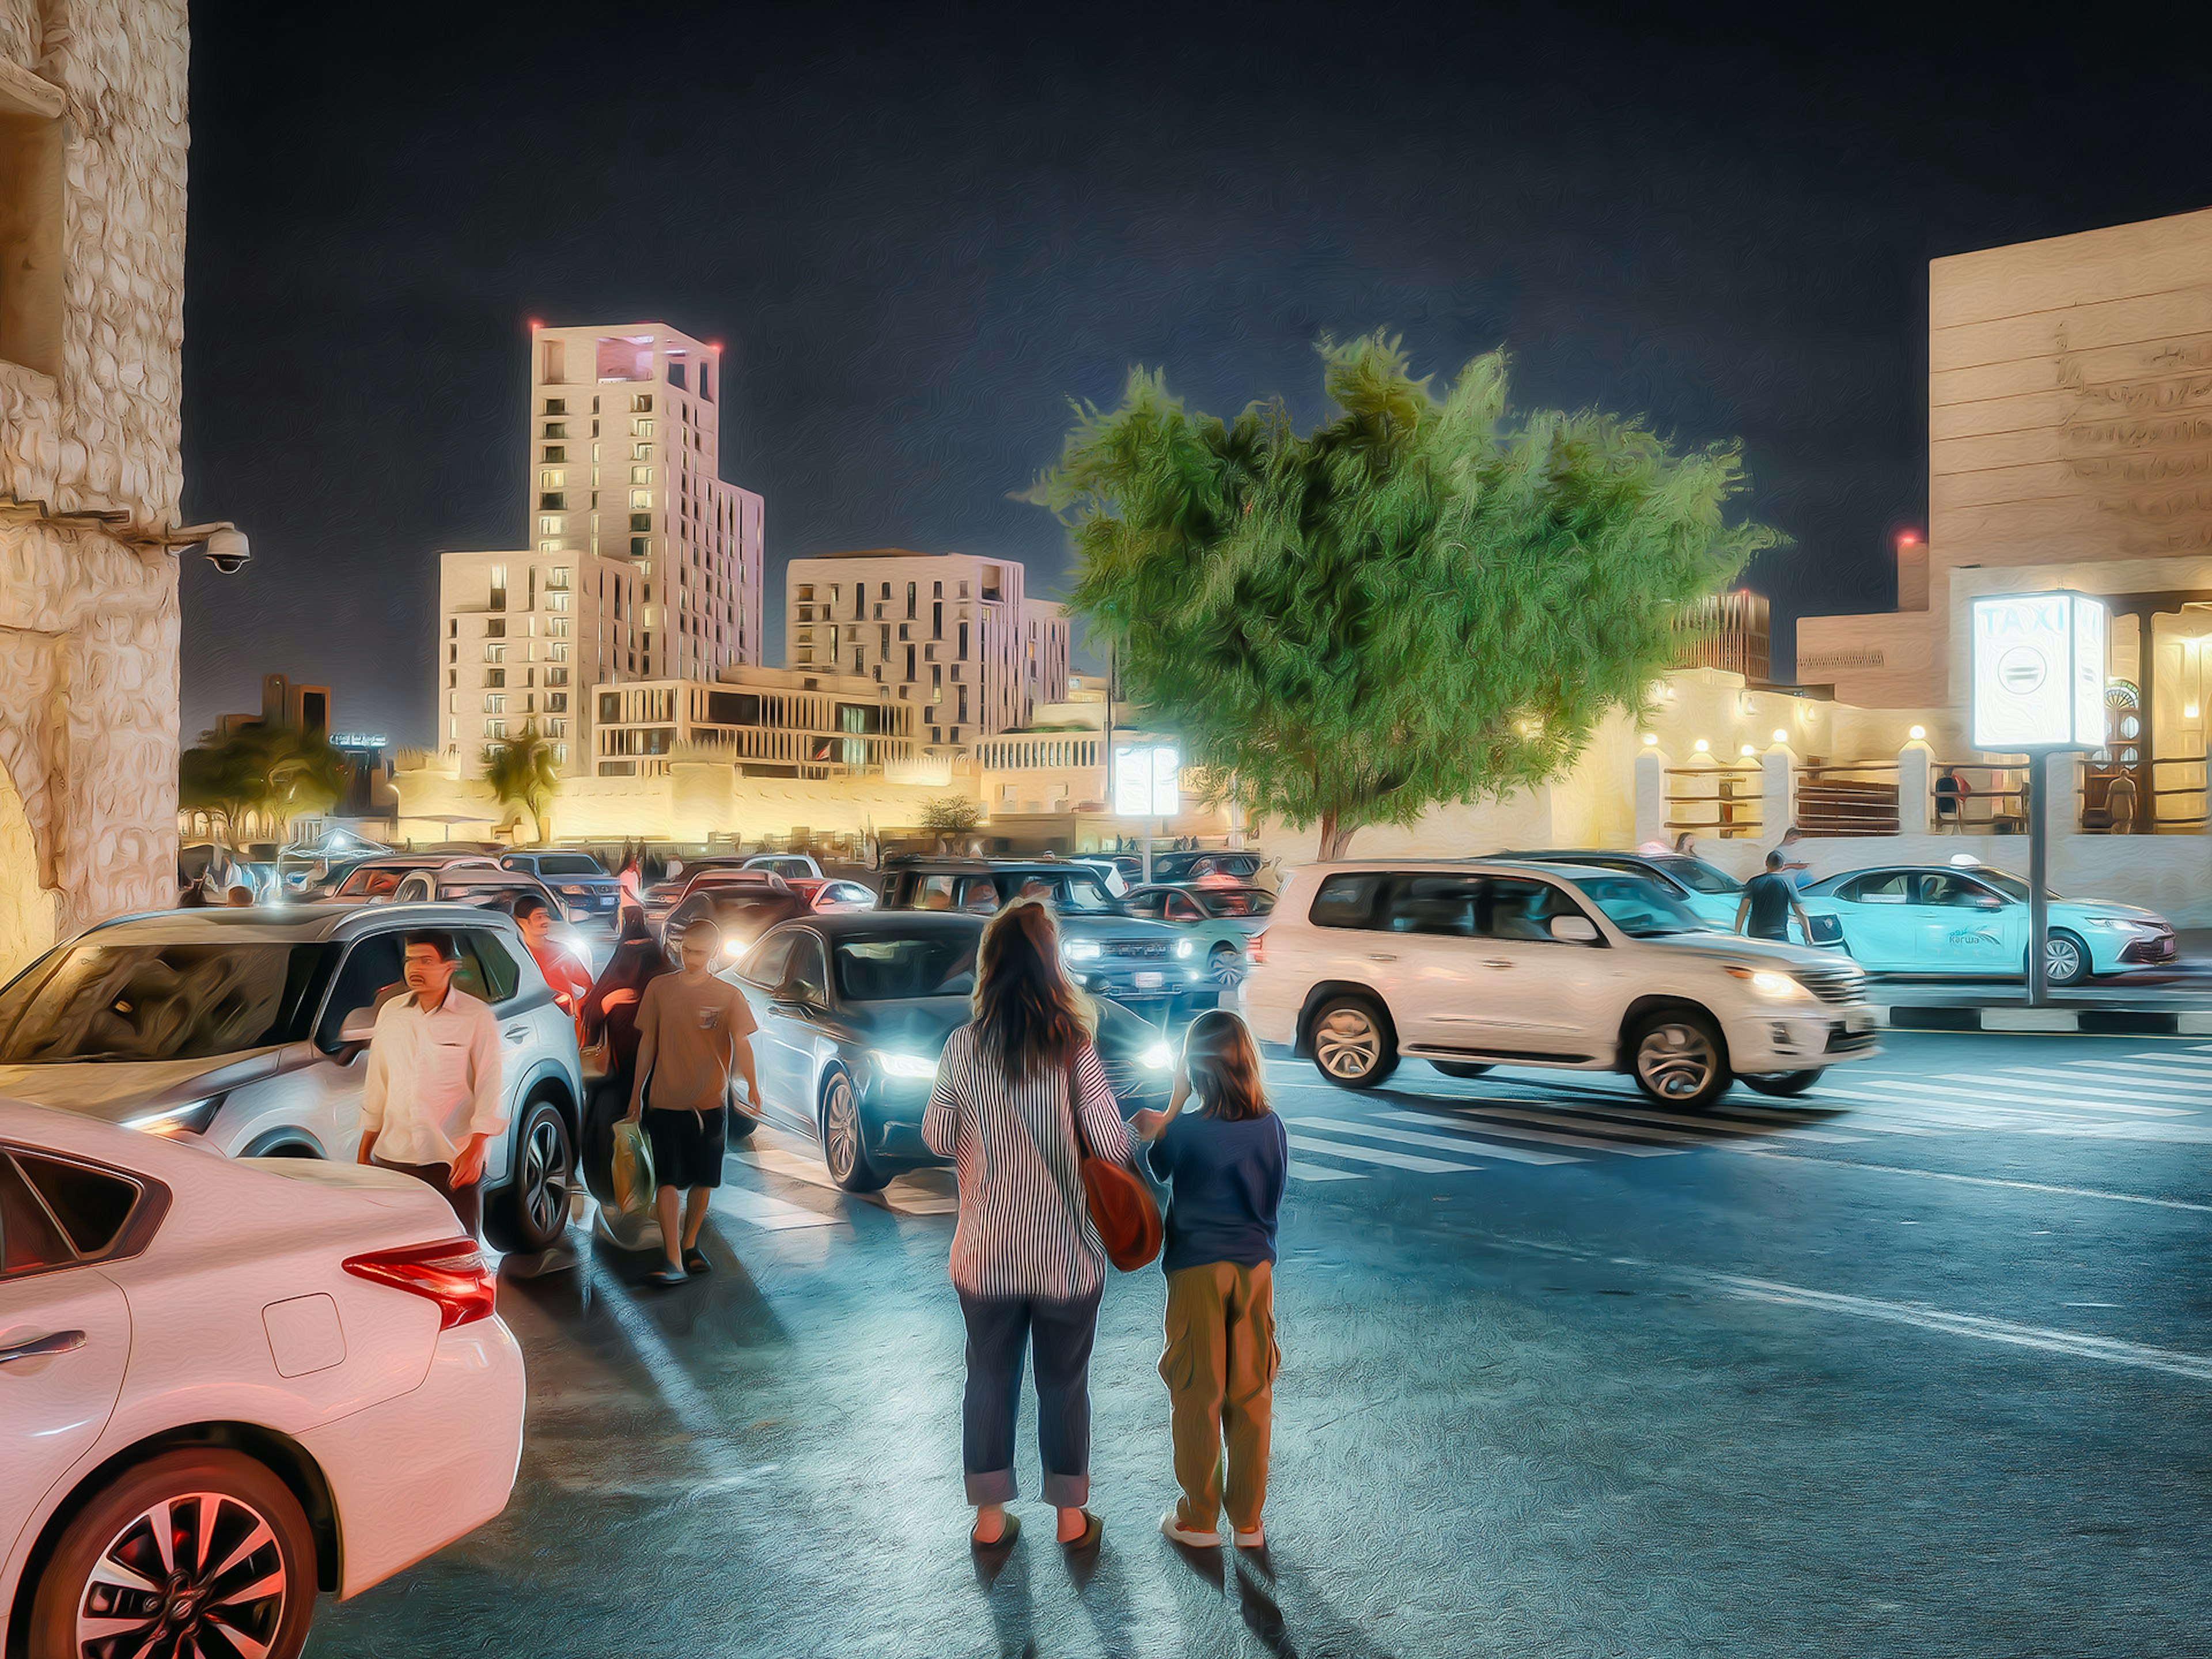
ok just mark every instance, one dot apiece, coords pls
pixel 632 1169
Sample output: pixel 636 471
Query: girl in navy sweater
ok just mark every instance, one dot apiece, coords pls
pixel 1224 1165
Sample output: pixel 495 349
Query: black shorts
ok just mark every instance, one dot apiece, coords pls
pixel 687 1146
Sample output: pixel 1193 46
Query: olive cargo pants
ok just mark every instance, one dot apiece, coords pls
pixel 1219 1366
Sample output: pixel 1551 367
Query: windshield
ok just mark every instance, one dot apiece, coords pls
pixel 887 969
pixel 375 880
pixel 1639 906
pixel 2010 886
pixel 1235 904
pixel 1073 896
pixel 1698 876
pixel 568 864
pixel 150 1002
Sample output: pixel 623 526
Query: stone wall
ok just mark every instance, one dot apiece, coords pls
pixel 87 619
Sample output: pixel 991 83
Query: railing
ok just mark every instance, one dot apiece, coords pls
pixel 2186 787
pixel 1844 799
pixel 1729 806
pixel 1995 797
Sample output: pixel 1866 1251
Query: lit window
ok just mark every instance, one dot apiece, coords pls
pixel 556 579
pixel 494 654
pixel 553 477
pixel 557 627
pixel 641 475
pixel 640 500
pixel 549 525
pixel 641 452
pixel 496 703
pixel 556 601
pixel 549 547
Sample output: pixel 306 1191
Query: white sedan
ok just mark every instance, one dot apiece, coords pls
pixel 223 1384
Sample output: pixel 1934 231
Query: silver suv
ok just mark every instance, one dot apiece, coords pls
pixel 1474 964
pixel 243 1030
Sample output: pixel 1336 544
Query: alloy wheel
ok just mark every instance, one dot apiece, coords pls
pixel 546 1177
pixel 841 1129
pixel 1227 967
pixel 198 1573
pixel 1346 1043
pixel 1676 1060
pixel 2062 959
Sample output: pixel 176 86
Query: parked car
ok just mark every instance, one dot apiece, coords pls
pixel 241 1031
pixel 1705 889
pixel 742 910
pixel 784 864
pixel 1970 919
pixel 853 1011
pixel 222 1384
pixel 1109 872
pixel 1475 963
pixel 1145 966
pixel 1212 869
pixel 826 896
pixel 580 880
pixel 487 888
pixel 1220 921
pixel 376 879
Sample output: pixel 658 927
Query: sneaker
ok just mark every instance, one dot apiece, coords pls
pixel 1174 1530
pixel 1255 1540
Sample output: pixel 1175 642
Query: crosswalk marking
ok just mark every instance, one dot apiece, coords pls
pixel 773 1214
pixel 1489 1149
pixel 2135 1075
pixel 2107 1078
pixel 1709 1126
pixel 1478 1119
pixel 1321 1172
pixel 1905 1092
pixel 2095 1093
pixel 1623 1148
pixel 1376 1155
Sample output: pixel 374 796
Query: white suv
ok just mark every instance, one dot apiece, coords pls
pixel 1476 963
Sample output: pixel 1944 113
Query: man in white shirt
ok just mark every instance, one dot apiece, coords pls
pixel 433 1101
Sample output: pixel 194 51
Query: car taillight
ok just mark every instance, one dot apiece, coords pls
pixel 1256 950
pixel 452 1274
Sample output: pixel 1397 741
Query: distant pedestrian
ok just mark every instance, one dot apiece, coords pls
pixel 631 879
pixel 1026 1260
pixel 694 1030
pixel 1686 844
pixel 2120 803
pixel 433 1101
pixel 564 973
pixel 1768 901
pixel 1793 864
pixel 609 1018
pixel 1225 1166
pixel 1951 792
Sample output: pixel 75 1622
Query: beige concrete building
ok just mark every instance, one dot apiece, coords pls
pixel 93 99
pixel 2068 446
pixel 951 634
pixel 770 722
pixel 643 563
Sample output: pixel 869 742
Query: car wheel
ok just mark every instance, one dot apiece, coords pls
pixel 2065 958
pixel 1781 1083
pixel 1353 1046
pixel 844 1148
pixel 532 1210
pixel 1460 1067
pixel 1679 1060
pixel 1226 966
pixel 196 1551
pixel 742 1123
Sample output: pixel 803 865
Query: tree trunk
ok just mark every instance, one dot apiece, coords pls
pixel 1335 837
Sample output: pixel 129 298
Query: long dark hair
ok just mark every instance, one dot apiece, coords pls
pixel 1028 1017
pixel 1223 1064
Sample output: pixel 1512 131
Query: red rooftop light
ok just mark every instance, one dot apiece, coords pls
pixel 1908 537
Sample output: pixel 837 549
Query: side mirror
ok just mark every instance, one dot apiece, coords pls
pixel 1574 930
pixel 358 1027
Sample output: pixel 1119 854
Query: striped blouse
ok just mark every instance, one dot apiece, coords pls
pixel 1025 1229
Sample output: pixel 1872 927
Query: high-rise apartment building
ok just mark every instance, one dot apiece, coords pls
pixel 949 633
pixel 643 565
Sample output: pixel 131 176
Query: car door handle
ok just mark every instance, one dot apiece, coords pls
pixel 1496 962
pixel 516 1034
pixel 1380 956
pixel 39 1347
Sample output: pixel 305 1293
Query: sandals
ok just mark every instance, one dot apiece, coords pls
pixel 1093 1530
pixel 695 1262
pixel 1004 1541
pixel 665 1276
pixel 1189 1537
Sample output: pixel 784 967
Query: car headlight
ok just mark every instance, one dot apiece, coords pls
pixel 191 1118
pixel 1184 947
pixel 732 947
pixel 1157 1058
pixel 1778 987
pixel 577 892
pixel 2122 924
pixel 908 1065
pixel 1082 950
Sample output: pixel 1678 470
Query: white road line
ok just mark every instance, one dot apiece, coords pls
pixel 1980 1181
pixel 2091 1093
pixel 1709 1126
pixel 2202 1063
pixel 2135 1075
pixel 2109 1078
pixel 1857 1120
pixel 2078 1344
pixel 1473 1117
pixel 1318 1172
pixel 1488 1148
pixel 773 1215
pixel 1376 1155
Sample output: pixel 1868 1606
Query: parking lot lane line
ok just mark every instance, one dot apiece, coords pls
pixel 1320 1172
pixel 2079 1344
pixel 1376 1155
pixel 1976 1180
pixel 1473 1117
pixel 773 1215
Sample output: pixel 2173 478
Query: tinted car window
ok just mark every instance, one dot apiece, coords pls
pixel 1218 903
pixel 485 960
pixel 889 969
pixel 934 893
pixel 568 864
pixel 30 1237
pixel 373 882
pixel 1887 887
pixel 1073 895
pixel 91 1204
pixel 1433 904
pixel 1348 900
pixel 804 972
pixel 371 968
pixel 1697 875
pixel 1518 910
pixel 1956 891
pixel 1639 906
pixel 767 965
pixel 1148 902
pixel 144 1002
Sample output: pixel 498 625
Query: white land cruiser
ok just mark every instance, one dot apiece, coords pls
pixel 1469 964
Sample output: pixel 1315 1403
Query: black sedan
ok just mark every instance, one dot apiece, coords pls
pixel 743 911
pixel 853 1011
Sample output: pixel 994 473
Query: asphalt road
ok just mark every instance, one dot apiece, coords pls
pixel 1921 1364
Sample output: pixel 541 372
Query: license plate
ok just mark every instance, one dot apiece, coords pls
pixel 1855 1023
pixel 1144 981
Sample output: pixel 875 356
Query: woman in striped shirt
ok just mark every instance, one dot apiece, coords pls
pixel 1026 1260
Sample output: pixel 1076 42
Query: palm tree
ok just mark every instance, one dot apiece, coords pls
pixel 521 772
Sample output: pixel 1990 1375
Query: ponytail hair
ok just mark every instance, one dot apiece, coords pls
pixel 1223 1064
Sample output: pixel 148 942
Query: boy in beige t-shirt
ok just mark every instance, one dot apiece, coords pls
pixel 693 1030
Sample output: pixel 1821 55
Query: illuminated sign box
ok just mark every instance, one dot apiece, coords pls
pixel 1147 781
pixel 2038 672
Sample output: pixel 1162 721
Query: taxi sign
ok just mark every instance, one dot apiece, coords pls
pixel 2038 672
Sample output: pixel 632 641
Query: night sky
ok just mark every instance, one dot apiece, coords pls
pixel 919 230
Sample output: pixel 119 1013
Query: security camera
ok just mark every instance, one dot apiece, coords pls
pixel 227 550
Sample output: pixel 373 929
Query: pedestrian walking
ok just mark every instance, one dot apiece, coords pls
pixel 564 973
pixel 1027 1262
pixel 1794 866
pixel 1951 792
pixel 1770 899
pixel 433 1099
pixel 609 1021
pixel 694 1031
pixel 631 878
pixel 1225 1165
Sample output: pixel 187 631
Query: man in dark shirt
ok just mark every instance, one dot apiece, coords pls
pixel 1768 901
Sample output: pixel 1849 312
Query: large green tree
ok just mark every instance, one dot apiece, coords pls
pixel 277 771
pixel 1428 599
pixel 522 773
